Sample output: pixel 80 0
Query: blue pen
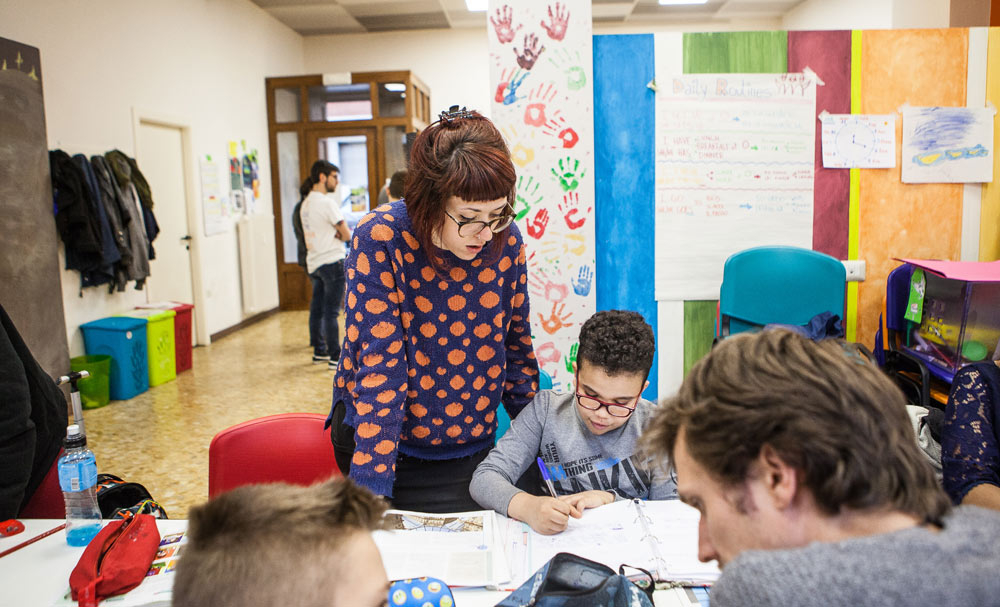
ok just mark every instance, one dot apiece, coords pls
pixel 545 477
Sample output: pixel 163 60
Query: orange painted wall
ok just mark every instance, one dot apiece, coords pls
pixel 921 68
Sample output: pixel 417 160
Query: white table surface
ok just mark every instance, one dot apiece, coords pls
pixel 38 575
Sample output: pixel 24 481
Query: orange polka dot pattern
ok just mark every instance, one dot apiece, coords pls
pixel 428 357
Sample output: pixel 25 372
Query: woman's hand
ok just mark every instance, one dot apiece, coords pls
pixel 546 515
pixel 588 499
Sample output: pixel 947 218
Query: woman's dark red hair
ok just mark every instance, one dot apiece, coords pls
pixel 464 157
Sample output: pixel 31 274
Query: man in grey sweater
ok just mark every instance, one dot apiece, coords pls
pixel 812 490
pixel 588 439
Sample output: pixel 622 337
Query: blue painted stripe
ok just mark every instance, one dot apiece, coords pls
pixel 624 131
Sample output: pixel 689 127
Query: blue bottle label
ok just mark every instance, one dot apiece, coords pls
pixel 78 475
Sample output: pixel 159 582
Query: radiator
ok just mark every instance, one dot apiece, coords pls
pixel 255 233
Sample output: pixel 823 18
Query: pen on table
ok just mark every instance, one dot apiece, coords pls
pixel 545 477
pixel 33 540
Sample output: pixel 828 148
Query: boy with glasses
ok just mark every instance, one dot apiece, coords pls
pixel 587 439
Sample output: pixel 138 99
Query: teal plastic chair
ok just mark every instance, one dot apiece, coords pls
pixel 777 284
pixel 503 419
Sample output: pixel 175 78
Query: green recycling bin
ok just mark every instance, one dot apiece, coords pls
pixel 95 391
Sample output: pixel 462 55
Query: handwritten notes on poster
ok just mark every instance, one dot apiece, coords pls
pixel 858 141
pixel 947 145
pixel 734 169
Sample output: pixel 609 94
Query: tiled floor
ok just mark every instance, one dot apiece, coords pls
pixel 160 438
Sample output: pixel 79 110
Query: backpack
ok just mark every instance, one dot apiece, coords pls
pixel 116 497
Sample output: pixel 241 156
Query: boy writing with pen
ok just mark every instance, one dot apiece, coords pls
pixel 586 442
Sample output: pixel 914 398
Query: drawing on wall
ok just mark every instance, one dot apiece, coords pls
pixel 541 67
pixel 213 208
pixel 947 145
pixel 734 170
pixel 858 141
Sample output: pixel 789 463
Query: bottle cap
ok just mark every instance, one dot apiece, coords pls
pixel 74 438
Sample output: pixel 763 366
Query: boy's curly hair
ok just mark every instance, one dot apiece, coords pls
pixel 618 341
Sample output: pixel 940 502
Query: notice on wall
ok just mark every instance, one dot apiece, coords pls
pixel 858 141
pixel 734 170
pixel 947 145
pixel 213 208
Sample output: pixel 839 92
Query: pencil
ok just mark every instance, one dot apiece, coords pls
pixel 32 540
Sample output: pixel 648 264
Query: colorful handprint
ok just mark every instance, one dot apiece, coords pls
pixel 581 284
pixel 534 113
pixel 567 174
pixel 507 89
pixel 576 78
pixel 547 353
pixel 526 197
pixel 571 358
pixel 502 24
pixel 557 128
pixel 530 53
pixel 559 20
pixel 556 320
pixel 543 287
pixel 570 208
pixel 536 227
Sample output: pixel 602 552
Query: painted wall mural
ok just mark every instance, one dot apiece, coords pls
pixel 541 72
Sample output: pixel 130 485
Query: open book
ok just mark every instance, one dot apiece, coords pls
pixel 461 548
pixel 659 536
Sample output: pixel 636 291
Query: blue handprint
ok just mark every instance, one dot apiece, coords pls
pixel 507 91
pixel 581 284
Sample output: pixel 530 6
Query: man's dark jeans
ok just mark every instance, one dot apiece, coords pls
pixel 331 276
pixel 317 338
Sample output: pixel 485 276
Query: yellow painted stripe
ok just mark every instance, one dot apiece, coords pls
pixel 853 214
pixel 989 214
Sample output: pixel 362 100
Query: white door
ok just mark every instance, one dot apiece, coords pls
pixel 161 160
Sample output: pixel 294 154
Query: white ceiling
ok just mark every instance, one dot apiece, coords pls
pixel 316 17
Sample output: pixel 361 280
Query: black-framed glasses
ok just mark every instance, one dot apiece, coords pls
pixel 471 228
pixel 592 404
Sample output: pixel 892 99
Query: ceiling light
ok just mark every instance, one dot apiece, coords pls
pixel 676 2
pixel 477 5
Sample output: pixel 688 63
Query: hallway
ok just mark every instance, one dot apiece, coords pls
pixel 160 438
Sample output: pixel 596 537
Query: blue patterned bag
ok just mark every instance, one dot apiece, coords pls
pixel 569 580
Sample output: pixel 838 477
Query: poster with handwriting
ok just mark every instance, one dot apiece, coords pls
pixel 947 145
pixel 734 170
pixel 858 141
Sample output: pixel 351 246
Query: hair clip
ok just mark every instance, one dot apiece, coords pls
pixel 454 113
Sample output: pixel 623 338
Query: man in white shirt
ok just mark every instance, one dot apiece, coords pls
pixel 325 234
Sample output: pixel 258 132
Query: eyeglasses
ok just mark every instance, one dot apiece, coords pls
pixel 592 404
pixel 471 228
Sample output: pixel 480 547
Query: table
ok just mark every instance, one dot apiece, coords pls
pixel 38 575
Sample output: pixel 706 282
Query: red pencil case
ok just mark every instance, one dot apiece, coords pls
pixel 116 560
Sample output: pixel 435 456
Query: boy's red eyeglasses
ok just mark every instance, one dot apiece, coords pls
pixel 593 404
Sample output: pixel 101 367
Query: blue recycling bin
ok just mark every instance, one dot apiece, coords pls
pixel 123 338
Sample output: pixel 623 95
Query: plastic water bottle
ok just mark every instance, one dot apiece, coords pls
pixel 78 480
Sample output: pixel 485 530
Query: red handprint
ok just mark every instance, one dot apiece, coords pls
pixel 537 225
pixel 557 128
pixel 531 52
pixel 502 24
pixel 570 208
pixel 557 320
pixel 547 353
pixel 557 31
pixel 534 114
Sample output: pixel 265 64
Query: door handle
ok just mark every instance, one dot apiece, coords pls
pixel 185 237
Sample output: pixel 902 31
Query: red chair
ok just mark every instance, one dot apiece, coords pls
pixel 288 447
pixel 47 501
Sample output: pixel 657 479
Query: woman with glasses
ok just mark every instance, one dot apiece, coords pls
pixel 437 333
pixel 586 441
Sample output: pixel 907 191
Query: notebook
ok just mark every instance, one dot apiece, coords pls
pixel 659 536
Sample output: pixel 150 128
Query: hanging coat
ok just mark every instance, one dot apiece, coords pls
pixel 110 255
pixel 117 216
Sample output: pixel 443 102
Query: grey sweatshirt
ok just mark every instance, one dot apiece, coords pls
pixel 959 565
pixel 577 460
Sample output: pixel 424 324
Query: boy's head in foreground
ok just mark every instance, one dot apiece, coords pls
pixel 615 355
pixel 281 544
